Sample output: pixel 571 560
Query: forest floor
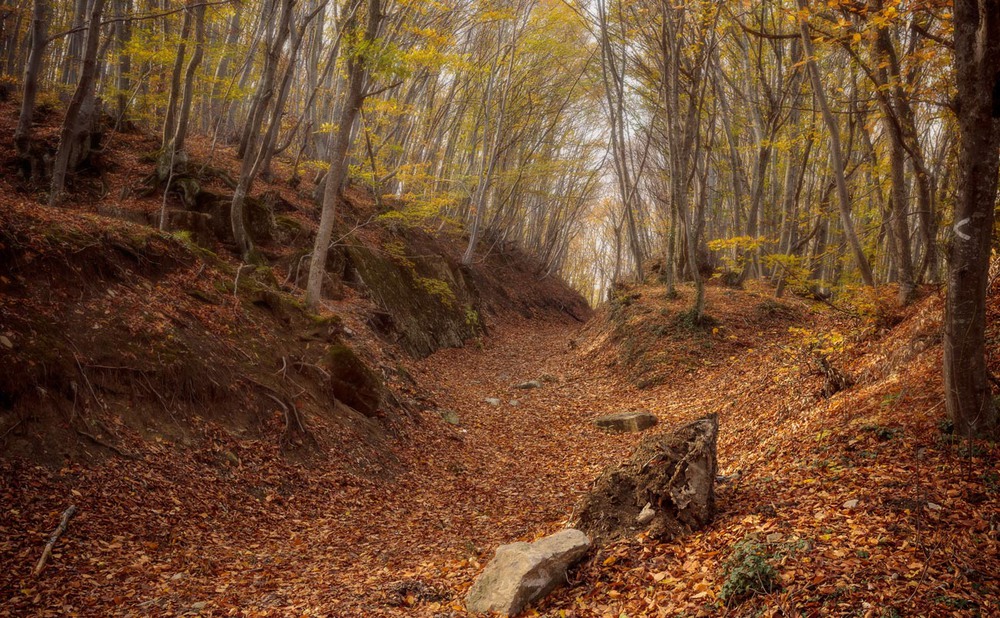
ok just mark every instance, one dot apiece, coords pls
pixel 861 503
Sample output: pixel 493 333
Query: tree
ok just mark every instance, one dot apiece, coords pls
pixel 357 71
pixel 74 138
pixel 32 75
pixel 977 71
pixel 836 152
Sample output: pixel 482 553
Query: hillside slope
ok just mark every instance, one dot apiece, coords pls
pixel 116 334
pixel 862 501
pixel 174 394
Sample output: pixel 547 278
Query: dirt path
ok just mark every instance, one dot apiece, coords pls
pixel 184 532
pixel 508 472
pixel 234 528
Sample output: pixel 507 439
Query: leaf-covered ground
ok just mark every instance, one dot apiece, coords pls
pixel 859 502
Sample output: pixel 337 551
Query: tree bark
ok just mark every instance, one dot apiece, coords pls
pixel 977 69
pixel 170 116
pixel 184 115
pixel 75 126
pixel 836 154
pixel 32 73
pixel 357 71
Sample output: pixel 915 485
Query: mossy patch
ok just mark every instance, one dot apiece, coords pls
pixel 423 295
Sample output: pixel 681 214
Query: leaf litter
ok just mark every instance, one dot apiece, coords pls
pixel 860 502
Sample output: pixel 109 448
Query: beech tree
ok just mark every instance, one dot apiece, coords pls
pixel 977 71
pixel 74 137
pixel 357 71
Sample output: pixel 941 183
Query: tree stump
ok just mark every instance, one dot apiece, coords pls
pixel 673 473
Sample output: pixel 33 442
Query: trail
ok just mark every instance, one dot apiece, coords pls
pixel 508 472
pixel 184 533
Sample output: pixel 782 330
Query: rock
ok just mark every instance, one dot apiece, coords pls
pixel 673 472
pixel 514 402
pixel 521 573
pixel 493 401
pixel 352 382
pixel 626 422
pixel 424 293
pixel 645 515
pixel 529 385
pixel 850 504
pixel 722 479
pixel 933 507
pixel 450 417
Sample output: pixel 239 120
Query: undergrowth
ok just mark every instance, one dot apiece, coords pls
pixel 747 572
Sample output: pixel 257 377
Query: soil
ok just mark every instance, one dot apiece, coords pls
pixel 233 526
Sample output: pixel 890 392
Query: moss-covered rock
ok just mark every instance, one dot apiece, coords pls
pixel 424 297
pixel 352 382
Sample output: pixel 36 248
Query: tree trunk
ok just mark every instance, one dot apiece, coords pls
pixel 357 76
pixel 251 137
pixel 123 34
pixel 977 59
pixel 180 134
pixel 169 117
pixel 79 112
pixel 74 45
pixel 32 73
pixel 836 154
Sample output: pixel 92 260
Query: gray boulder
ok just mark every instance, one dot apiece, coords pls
pixel 521 573
pixel 626 422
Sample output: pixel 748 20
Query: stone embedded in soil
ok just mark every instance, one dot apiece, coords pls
pixel 529 385
pixel 521 573
pixel 450 416
pixel 626 422
pixel 493 401
pixel 673 472
pixel 646 515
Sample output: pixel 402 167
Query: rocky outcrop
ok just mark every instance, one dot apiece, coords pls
pixel 352 382
pixel 428 302
pixel 672 475
pixel 525 572
pixel 626 422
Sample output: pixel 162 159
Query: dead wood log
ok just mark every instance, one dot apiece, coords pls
pixel 58 532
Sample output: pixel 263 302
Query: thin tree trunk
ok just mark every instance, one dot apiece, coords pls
pixel 357 76
pixel 169 117
pixel 75 125
pixel 32 74
pixel 123 35
pixel 836 154
pixel 180 134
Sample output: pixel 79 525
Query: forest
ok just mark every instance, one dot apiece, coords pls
pixel 249 247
